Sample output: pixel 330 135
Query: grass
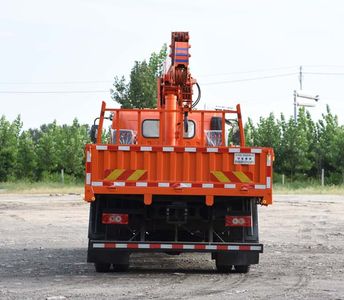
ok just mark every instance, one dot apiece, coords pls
pixel 77 188
pixel 41 188
pixel 307 188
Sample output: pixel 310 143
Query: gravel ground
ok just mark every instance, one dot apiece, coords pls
pixel 43 241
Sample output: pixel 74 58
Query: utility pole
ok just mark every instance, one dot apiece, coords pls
pixel 300 77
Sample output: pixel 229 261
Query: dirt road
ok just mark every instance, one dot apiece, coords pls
pixel 43 242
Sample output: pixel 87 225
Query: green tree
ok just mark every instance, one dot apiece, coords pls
pixel 141 90
pixel 9 134
pixel 26 157
pixel 47 149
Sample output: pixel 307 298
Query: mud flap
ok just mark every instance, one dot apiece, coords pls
pixel 238 258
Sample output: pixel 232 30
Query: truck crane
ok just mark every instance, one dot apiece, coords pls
pixel 173 180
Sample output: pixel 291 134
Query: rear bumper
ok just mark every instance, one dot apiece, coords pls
pixel 178 247
pixel 118 252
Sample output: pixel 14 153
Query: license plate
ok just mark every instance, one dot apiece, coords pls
pixel 244 158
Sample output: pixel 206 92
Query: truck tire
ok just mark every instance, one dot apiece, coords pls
pixel 120 268
pixel 223 268
pixel 102 267
pixel 242 269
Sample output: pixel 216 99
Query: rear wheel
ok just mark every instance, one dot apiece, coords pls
pixel 223 268
pixel 102 267
pixel 242 268
pixel 120 267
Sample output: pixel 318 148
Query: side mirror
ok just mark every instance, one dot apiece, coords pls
pixel 94 133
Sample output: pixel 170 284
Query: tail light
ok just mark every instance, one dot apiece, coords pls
pixel 108 218
pixel 238 221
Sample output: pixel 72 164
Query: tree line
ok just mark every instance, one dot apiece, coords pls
pixel 41 154
pixel 301 148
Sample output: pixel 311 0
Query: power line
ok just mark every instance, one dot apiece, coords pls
pixel 247 72
pixel 54 92
pixel 55 82
pixel 250 79
pixel 324 73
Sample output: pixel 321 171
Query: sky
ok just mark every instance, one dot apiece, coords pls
pixel 58 58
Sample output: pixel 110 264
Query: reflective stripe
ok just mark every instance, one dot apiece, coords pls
pixel 136 175
pixel 115 174
pixel 145 148
pixel 167 149
pixel 220 176
pixel 268 160
pixel 185 185
pixel 97 183
pixel 142 184
pixel 88 178
pixel 242 177
pixel 233 247
pixel 101 147
pixel 255 150
pixel 212 149
pixel 163 184
pixel 119 183
pixel 124 148
pixel 176 246
pixel 260 186
pixel 268 182
pixel 207 185
pixel 233 150
pixel 188 246
pixel 190 149
pixel 229 186
pixel 88 156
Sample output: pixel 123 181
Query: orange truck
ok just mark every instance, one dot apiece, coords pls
pixel 175 179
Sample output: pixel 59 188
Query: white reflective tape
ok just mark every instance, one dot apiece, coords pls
pixel 145 148
pixel 260 186
pixel 101 147
pixel 119 183
pixel 166 246
pixel 121 245
pixel 99 245
pixel 97 183
pixel 256 248
pixel 124 148
pixel 255 150
pixel 185 185
pixel 167 149
pixel 268 160
pixel 190 149
pixel 189 247
pixel 88 178
pixel 143 246
pixel 229 186
pixel 268 182
pixel 163 184
pixel 233 247
pixel 207 185
pixel 213 150
pixel 88 156
pixel 141 184
pixel 210 247
pixel 233 150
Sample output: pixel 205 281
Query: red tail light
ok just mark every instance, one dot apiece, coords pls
pixel 108 218
pixel 238 221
